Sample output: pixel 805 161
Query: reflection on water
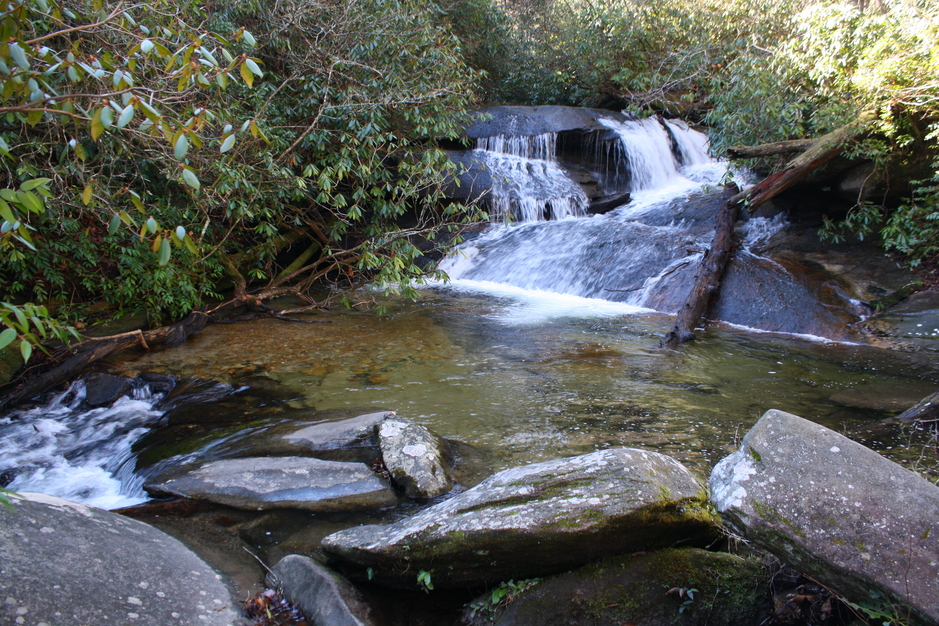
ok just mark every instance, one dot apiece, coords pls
pixel 531 388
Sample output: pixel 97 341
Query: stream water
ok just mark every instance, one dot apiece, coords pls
pixel 532 351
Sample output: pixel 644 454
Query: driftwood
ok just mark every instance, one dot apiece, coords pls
pixel 926 410
pixel 93 350
pixel 792 146
pixel 708 279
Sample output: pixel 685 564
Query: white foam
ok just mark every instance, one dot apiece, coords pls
pixel 534 306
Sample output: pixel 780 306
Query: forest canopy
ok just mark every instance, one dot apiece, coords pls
pixel 154 156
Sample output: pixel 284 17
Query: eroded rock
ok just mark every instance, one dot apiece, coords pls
pixel 278 482
pixel 535 520
pixel 834 509
pixel 634 589
pixel 68 563
pixel 323 596
pixel 416 458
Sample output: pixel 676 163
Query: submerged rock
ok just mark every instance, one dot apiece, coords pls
pixel 644 589
pixel 104 389
pixel 834 509
pixel 535 520
pixel 278 482
pixel 323 596
pixel 67 563
pixel 416 458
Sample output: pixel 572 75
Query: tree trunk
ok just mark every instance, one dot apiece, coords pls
pixel 94 350
pixel 792 146
pixel 707 281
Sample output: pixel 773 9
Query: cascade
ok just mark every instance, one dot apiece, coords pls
pixel 527 183
pixel 644 254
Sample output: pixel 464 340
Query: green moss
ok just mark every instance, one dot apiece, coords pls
pixel 756 455
pixel 772 515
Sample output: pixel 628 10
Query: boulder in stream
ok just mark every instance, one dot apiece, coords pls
pixel 324 597
pixel 417 460
pixel 68 563
pixel 535 520
pixel 836 510
pixel 258 483
pixel 650 589
pixel 105 389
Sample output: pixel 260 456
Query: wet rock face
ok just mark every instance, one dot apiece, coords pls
pixel 105 389
pixel 416 458
pixel 535 520
pixel 279 482
pixel 324 597
pixel 67 563
pixel 834 509
pixel 728 590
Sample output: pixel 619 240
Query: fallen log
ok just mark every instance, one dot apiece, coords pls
pixel 707 280
pixel 93 350
pixel 711 270
pixel 926 410
pixel 791 146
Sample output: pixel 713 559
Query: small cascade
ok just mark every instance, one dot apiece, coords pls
pixel 527 183
pixel 65 450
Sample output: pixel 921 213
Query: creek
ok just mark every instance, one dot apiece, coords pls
pixel 543 344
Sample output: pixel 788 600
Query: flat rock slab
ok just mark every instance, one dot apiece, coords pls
pixel 277 483
pixel 322 595
pixel 351 439
pixel 834 509
pixel 417 460
pixel 535 520
pixel 67 563
pixel 632 589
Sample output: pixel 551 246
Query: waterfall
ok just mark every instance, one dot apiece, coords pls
pixel 527 183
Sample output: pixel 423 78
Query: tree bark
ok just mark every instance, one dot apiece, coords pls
pixel 926 410
pixel 94 350
pixel 792 146
pixel 707 281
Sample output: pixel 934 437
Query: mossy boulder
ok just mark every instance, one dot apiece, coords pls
pixel 836 510
pixel 688 587
pixel 10 362
pixel 535 520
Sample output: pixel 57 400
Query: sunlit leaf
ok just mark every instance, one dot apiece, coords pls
pixel 246 74
pixel 87 194
pixel 181 232
pixel 26 349
pixel 165 252
pixel 227 144
pixel 126 116
pixel 18 55
pixel 29 185
pixel 251 65
pixel 114 224
pixel 181 147
pixel 248 38
pixel 7 337
pixel 191 179
pixel 152 225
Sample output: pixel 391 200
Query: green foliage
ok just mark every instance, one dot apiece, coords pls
pixel 7 497
pixel 501 596
pixel 32 326
pixel 151 154
pixel 879 610
pixel 424 581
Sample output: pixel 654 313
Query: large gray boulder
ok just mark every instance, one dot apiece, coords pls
pixel 323 596
pixel 67 563
pixel 535 520
pixel 417 460
pixel 290 482
pixel 634 589
pixel 835 510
